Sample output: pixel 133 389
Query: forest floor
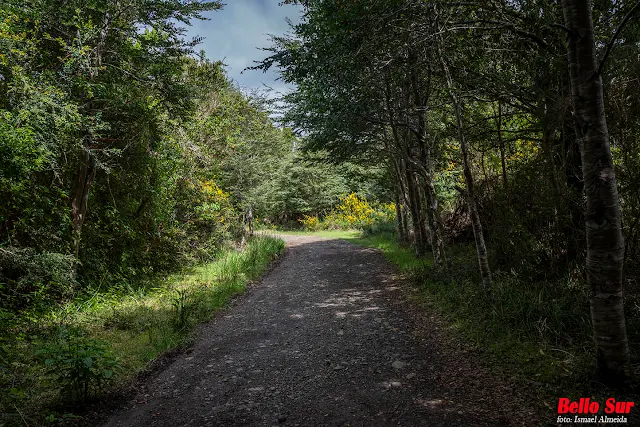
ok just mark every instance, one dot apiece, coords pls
pixel 331 336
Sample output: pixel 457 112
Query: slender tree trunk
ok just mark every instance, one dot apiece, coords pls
pixel 399 192
pixel 404 210
pixel 399 199
pixel 433 215
pixel 86 170
pixel 501 145
pixel 415 208
pixel 410 219
pixel 402 231
pixel 478 234
pixel 417 219
pixel 421 248
pixel 481 247
pixel 412 189
pixel 605 245
pixel 430 196
pixel 85 174
pixel 404 198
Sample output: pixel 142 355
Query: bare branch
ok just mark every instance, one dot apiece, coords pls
pixel 614 37
pixel 562 27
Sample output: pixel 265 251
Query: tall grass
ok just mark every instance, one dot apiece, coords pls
pixel 136 325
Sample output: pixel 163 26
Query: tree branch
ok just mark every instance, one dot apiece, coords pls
pixel 562 27
pixel 614 37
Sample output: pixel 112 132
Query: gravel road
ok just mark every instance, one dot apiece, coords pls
pixel 327 338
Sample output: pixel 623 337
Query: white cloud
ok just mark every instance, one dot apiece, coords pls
pixel 236 33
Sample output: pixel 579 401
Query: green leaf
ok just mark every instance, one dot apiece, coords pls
pixel 88 362
pixel 13 391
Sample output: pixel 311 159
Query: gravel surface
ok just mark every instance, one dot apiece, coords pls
pixel 327 338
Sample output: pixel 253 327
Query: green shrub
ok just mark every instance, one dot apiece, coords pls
pixel 29 278
pixel 79 366
pixel 380 227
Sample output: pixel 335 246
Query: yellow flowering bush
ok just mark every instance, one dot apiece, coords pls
pixel 215 203
pixel 352 212
pixel 310 222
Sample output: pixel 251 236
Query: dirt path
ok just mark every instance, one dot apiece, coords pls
pixel 326 339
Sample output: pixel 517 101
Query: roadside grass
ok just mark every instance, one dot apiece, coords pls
pixel 402 256
pixel 129 326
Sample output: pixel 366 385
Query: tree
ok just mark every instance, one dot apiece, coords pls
pixel 605 245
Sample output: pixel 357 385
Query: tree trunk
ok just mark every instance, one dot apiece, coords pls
pixel 402 231
pixel 502 150
pixel 415 208
pixel 433 215
pixel 412 184
pixel 85 174
pixel 431 199
pixel 399 192
pixel 400 196
pixel 605 245
pixel 481 248
pixel 405 203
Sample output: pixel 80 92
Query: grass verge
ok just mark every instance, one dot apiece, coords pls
pixel 86 348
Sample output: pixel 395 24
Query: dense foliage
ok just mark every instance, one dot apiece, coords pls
pixel 91 96
pixel 126 155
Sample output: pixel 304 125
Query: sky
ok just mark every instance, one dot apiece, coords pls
pixel 236 33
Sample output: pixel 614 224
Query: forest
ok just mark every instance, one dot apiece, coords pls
pixel 488 148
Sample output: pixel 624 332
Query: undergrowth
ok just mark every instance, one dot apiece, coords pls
pixel 49 365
